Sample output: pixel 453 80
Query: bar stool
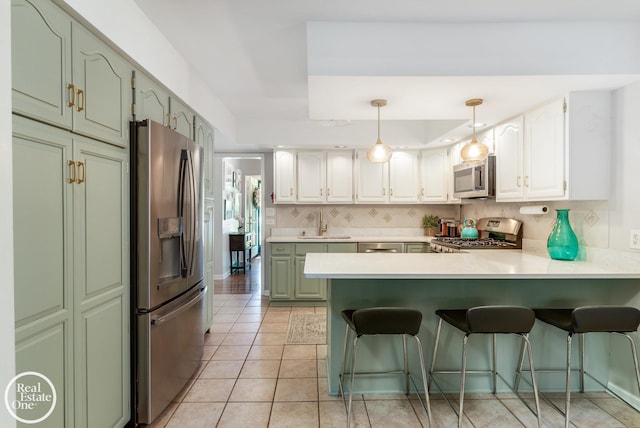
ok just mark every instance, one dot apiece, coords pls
pixel 492 320
pixel 383 320
pixel 590 319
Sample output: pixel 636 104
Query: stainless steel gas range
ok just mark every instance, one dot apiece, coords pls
pixel 493 233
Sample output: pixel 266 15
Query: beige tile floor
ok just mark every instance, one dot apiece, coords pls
pixel 249 377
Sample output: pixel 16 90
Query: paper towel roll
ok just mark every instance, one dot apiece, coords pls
pixel 534 209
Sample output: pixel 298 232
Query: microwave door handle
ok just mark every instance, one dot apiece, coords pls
pixel 181 194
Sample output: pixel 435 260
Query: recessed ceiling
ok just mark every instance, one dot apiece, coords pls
pixel 254 56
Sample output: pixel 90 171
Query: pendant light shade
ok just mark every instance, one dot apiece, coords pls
pixel 379 152
pixel 473 150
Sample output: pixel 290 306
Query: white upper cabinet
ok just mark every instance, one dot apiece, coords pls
pixel 559 151
pixel 311 176
pixel 403 176
pixel 284 176
pixel 339 176
pixel 454 159
pixel 434 172
pixel 372 179
pixel 544 150
pixel 509 157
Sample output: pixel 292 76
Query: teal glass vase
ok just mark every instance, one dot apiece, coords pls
pixel 563 242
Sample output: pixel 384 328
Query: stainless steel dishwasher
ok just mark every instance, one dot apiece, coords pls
pixel 380 247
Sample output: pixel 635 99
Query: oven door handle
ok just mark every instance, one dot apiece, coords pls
pixel 164 318
pixel 380 250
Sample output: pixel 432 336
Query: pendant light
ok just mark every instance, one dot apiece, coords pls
pixel 379 152
pixel 474 151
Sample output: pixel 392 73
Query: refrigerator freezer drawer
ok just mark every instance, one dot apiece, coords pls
pixel 170 346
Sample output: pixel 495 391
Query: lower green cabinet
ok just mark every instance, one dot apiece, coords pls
pixel 417 247
pixel 71 264
pixel 287 270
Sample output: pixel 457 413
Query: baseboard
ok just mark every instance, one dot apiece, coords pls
pixel 632 399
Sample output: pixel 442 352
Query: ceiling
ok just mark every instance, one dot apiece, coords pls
pixel 272 71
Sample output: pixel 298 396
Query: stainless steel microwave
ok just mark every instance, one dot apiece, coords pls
pixel 475 179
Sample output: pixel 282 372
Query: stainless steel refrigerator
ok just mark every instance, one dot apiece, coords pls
pixel 167 266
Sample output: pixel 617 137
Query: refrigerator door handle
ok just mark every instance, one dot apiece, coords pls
pixel 181 195
pixel 167 317
pixel 193 207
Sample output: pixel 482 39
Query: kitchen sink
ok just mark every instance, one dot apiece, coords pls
pixel 324 237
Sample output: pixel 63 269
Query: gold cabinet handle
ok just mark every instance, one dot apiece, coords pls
pixel 291 191
pixel 72 167
pixel 321 191
pixel 71 95
pixel 328 192
pixel 422 192
pixel 526 181
pixel 81 100
pixel 168 120
pixel 384 192
pixel 175 122
pixel 518 181
pixel 81 178
pixel 391 192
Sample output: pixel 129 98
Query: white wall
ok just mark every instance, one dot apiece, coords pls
pixel 7 341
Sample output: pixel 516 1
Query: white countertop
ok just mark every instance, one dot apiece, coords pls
pixel 475 264
pixel 341 238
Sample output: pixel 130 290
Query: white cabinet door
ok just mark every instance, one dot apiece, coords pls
pixel 181 118
pixel 372 179
pixel 284 176
pixel 311 176
pixel 509 158
pixel 454 159
pixel 434 168
pixel 403 176
pixel 151 101
pixel 545 152
pixel 339 176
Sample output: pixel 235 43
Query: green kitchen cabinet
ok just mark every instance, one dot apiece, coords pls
pixel 66 76
pixel 205 137
pixel 182 118
pixel 71 248
pixel 150 101
pixel 282 273
pixel 417 247
pixel 308 288
pixel 208 264
pixel 287 270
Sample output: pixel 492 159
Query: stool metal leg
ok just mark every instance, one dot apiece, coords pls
pixel 525 340
pixel 435 351
pixel 516 384
pixel 494 371
pixel 424 380
pixel 634 354
pixel 464 370
pixel 568 384
pixel 582 337
pixel 353 372
pixel 406 363
pixel 344 360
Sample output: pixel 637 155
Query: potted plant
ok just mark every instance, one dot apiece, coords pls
pixel 430 224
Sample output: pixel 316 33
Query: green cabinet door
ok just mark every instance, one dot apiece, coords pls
pixel 281 278
pixel 151 101
pixel 102 79
pixel 43 263
pixel 181 118
pixel 204 137
pixel 101 285
pixel 308 288
pixel 41 61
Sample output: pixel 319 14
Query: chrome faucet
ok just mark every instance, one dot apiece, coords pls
pixel 322 226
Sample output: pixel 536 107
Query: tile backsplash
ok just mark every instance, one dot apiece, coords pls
pixel 361 216
pixel 589 219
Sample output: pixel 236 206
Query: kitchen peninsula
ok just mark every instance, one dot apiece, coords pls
pixel 437 280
